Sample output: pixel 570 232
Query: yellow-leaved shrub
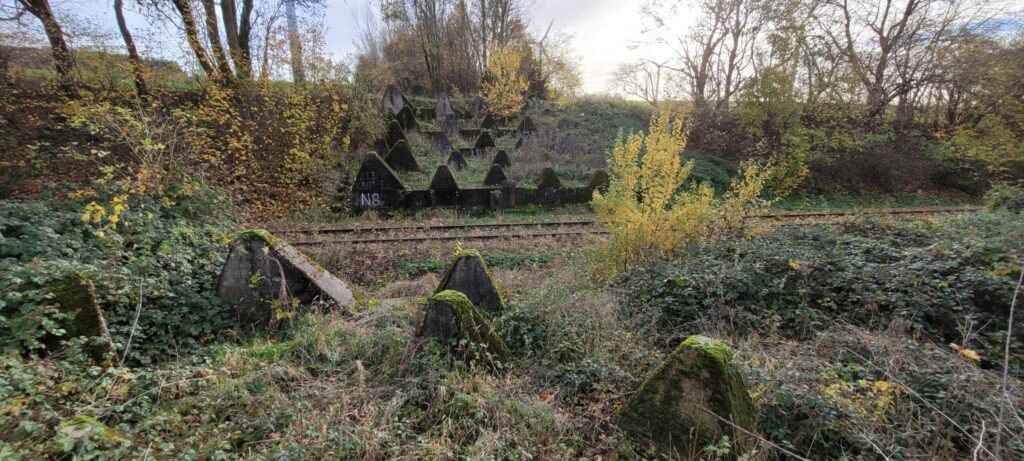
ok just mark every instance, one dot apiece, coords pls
pixel 504 91
pixel 651 208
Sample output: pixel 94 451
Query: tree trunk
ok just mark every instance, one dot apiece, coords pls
pixel 192 36
pixel 298 72
pixel 237 36
pixel 213 34
pixel 133 53
pixel 63 60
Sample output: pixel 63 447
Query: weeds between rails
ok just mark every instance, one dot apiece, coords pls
pixel 582 227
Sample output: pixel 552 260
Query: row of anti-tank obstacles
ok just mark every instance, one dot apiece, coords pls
pixel 378 186
pixel 692 400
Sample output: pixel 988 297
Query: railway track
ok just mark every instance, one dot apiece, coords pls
pixel 525 230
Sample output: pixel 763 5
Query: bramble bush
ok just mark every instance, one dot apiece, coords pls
pixel 162 261
pixel 950 280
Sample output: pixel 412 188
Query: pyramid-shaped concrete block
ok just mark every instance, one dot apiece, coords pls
pixel 376 185
pixel 484 141
pixel 549 180
pixel 443 179
pixel 488 123
pixel 393 100
pixel 501 158
pixel 451 129
pixel 441 143
pixel 407 119
pixel 393 135
pixel 694 399
pixel 263 275
pixel 495 176
pixel 75 297
pixel 444 110
pixel 451 318
pixel 457 161
pixel 599 180
pixel 526 125
pixel 400 158
pixel 469 275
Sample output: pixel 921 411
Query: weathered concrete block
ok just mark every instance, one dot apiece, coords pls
pixel 407 119
pixel 456 161
pixel 526 125
pixel 393 135
pixel 488 123
pixel 444 110
pixel 393 100
pixel 443 188
pixel 475 198
pixel 441 143
pixel 401 159
pixel 450 126
pixel 417 199
pixel 495 176
pixel 599 180
pixel 376 185
pixel 501 158
pixel 469 275
pixel 674 409
pixel 451 318
pixel 484 141
pixel 478 106
pixel 263 275
pixel 76 299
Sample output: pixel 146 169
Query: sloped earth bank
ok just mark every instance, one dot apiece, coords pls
pixel 362 385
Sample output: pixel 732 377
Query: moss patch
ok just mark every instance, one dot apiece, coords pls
pixel 674 409
pixel 471 325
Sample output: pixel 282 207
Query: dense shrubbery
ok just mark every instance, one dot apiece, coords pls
pixel 160 261
pixel 949 280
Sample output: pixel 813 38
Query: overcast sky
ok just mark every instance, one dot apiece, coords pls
pixel 605 32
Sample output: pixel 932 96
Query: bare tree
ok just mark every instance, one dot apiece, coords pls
pixel 891 47
pixel 642 79
pixel 714 54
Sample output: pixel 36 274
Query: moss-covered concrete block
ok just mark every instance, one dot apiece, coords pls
pixel 674 410
pixel 264 279
pixel 451 317
pixel 469 275
pixel 75 297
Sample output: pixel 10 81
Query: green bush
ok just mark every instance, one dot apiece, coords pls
pixel 1005 197
pixel 941 278
pixel 162 261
